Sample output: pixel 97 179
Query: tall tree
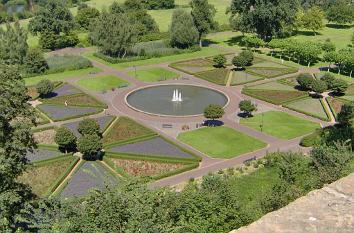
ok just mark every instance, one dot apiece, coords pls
pixel 113 34
pixel 267 18
pixel 313 19
pixel 13 44
pixel 203 16
pixel 341 13
pixel 183 33
pixel 16 119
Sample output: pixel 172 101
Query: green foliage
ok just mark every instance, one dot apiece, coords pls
pixel 267 18
pixel 15 140
pixel 305 81
pixel 312 139
pixel 51 41
pixel 219 61
pixel 89 127
pixel 67 62
pixel 203 16
pixel 213 112
pixel 13 44
pixel 183 33
pixel 65 139
pixel 341 12
pixel 45 87
pixel 319 86
pixel 313 19
pixel 245 58
pixel 247 107
pixel 85 16
pixel 346 115
pixel 113 34
pixel 338 86
pixel 253 41
pixel 34 62
pixel 159 4
pixel 328 46
pixel 331 161
pixel 89 146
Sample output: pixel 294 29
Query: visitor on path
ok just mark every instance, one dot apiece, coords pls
pixel 66 103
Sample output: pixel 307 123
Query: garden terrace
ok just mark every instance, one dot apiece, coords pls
pixel 125 129
pixel 147 167
pixel 104 122
pixel 90 175
pixel 217 76
pixel 280 124
pixel 61 112
pixel 309 106
pixel 44 176
pixel 153 74
pixel 221 142
pixel 242 77
pixel 102 83
pixel 155 147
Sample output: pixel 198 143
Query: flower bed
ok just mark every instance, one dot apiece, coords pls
pixel 103 122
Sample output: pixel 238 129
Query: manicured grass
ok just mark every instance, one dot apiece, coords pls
pixel 41 177
pixel 221 142
pixel 309 106
pixel 61 76
pixel 103 83
pixel 125 129
pixel 241 77
pixel 75 100
pixel 280 124
pixel 153 74
pixel 275 96
pixel 194 66
pixel 217 76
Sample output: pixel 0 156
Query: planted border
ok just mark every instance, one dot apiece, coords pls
pixel 310 114
pixel 223 83
pixel 99 104
pixel 286 71
pixel 252 93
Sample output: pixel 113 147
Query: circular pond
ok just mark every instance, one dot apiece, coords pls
pixel 174 100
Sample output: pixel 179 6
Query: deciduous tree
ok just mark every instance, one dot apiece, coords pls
pixel 183 33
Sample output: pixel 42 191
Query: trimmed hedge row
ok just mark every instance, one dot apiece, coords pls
pixel 160 158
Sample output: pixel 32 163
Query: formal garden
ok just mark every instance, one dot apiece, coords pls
pixel 125 115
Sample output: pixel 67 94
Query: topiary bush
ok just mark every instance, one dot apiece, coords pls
pixel 219 61
pixel 65 139
pixel 44 87
pixel 89 127
pixel 90 146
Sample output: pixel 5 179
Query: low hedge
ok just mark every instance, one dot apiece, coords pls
pixel 119 170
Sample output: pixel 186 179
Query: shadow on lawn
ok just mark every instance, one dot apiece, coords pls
pixel 213 123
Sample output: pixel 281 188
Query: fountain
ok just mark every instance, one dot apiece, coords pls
pixel 177 96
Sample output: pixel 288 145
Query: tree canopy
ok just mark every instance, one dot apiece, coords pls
pixel 183 33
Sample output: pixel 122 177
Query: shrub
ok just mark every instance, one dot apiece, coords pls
pixel 339 86
pixel 219 61
pixel 247 107
pixel 67 62
pixel 65 139
pixel 35 62
pixel 305 81
pixel 89 127
pixel 245 58
pixel 329 79
pixel 45 87
pixel 85 16
pixel 346 115
pixel 90 146
pixel 319 86
pixel 248 55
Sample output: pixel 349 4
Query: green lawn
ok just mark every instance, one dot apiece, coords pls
pixel 280 124
pixel 61 76
pixel 272 86
pixel 241 77
pixel 102 83
pixel 153 74
pixel 221 142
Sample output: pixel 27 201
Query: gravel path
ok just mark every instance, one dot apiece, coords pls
pixel 156 146
pixel 91 175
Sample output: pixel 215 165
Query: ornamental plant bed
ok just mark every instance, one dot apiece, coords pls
pixel 309 106
pixel 41 177
pixel 217 76
pixel 270 72
pixel 103 122
pixel 66 89
pixel 42 153
pixel 145 168
pixel 60 112
pixel 289 81
pixel 156 147
pixel 124 129
pixel 336 104
pixel 193 66
pixel 91 175
pixel 241 77
pixel 277 97
pixel 45 137
pixel 75 100
pixel 275 86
